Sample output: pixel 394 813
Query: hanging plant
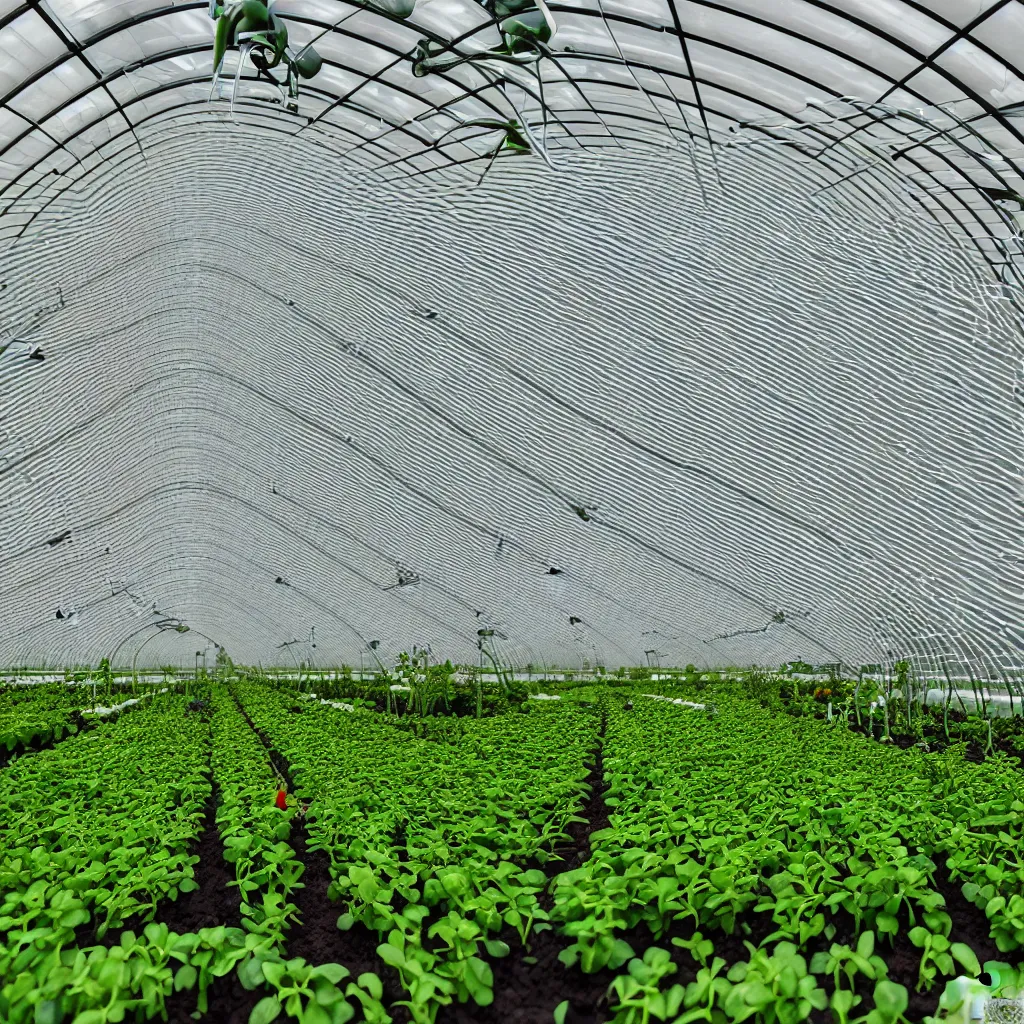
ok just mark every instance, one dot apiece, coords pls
pixel 515 140
pixel 259 34
pixel 526 29
pixel 524 38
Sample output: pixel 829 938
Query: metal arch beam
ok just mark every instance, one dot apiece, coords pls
pixel 684 46
pixel 13 15
pixel 782 70
pixel 798 77
pixel 185 51
pixel 164 55
pixel 375 77
pixel 958 34
pixel 473 93
pixel 990 110
pixel 1013 129
pixel 284 130
pixel 151 15
pixel 632 116
pixel 160 12
pixel 74 50
pixel 873 29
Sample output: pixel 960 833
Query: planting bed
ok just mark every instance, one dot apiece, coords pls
pixel 605 857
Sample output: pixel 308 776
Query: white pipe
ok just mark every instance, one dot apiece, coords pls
pixel 102 712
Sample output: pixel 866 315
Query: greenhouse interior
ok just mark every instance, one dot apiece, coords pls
pixel 512 511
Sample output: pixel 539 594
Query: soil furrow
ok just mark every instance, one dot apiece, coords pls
pixel 317 938
pixel 215 902
pixel 527 991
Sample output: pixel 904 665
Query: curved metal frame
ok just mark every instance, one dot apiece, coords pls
pixel 22 188
pixel 927 61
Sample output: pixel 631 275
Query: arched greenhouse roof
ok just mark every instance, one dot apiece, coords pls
pixel 689 332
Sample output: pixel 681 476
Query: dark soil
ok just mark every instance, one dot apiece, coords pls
pixel 216 900
pixel 212 904
pixel 970 925
pixel 594 811
pixel 527 993
pixel 227 1003
pixel 317 938
pixel 524 992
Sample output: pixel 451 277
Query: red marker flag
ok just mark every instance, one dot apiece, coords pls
pixel 282 804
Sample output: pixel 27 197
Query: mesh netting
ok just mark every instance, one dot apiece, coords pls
pixel 1004 1011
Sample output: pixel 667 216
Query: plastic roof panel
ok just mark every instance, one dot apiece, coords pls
pixel 83 21
pixel 1002 32
pixel 739 336
pixel 28 46
pixel 62 85
pixel 176 30
pixel 802 30
pixel 916 25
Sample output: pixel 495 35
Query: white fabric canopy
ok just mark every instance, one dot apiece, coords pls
pixel 728 370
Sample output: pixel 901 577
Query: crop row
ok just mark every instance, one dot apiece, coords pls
pixel 97 829
pixel 102 828
pixel 37 714
pixel 719 818
pixel 255 835
pixel 430 836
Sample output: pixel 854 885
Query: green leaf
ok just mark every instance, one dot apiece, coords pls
pixel 560 1011
pixel 332 972
pixel 497 948
pixel 965 956
pixel 842 1001
pixel 250 974
pixel 890 998
pixel 372 983
pixel 345 922
pixel 266 1010
pixel 621 952
pixel 569 957
pixel 315 1014
pixel 274 971
pixel 48 1012
pixel 186 977
pixel 390 955
pixel 887 923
